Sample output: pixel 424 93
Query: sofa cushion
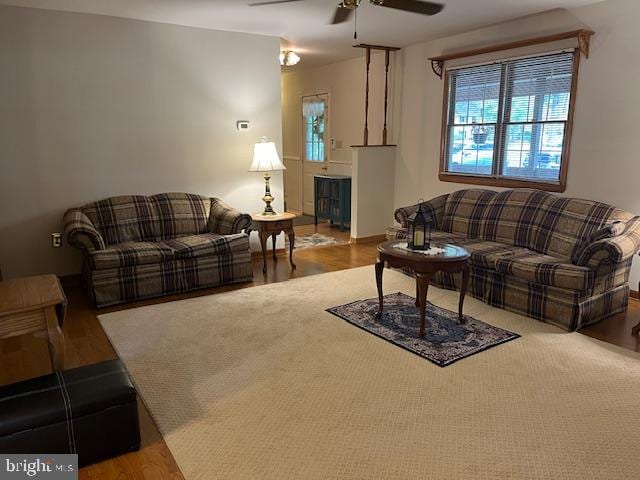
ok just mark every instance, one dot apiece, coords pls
pixel 438 236
pixel 127 218
pixel 513 217
pixel 533 219
pixel 545 223
pixel 180 214
pixel 546 270
pixel 568 224
pixel 128 254
pixel 464 211
pixel 485 253
pixel 136 218
pixel 195 246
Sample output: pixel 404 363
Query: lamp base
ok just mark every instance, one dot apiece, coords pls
pixel 268 198
pixel 268 210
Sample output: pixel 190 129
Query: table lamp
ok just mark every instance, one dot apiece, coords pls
pixel 265 159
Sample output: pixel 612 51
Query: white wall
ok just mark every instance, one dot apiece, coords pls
pixel 345 84
pixel 373 172
pixel 94 106
pixel 605 148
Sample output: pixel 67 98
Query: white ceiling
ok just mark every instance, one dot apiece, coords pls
pixel 304 25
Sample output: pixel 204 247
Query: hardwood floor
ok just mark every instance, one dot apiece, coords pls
pixel 86 343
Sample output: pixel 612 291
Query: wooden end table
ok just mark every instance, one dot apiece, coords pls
pixel 453 260
pixel 271 226
pixel 34 304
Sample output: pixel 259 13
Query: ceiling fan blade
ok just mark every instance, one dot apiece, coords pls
pixel 415 6
pixel 342 15
pixel 273 2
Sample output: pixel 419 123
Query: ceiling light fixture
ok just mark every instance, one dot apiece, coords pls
pixel 289 58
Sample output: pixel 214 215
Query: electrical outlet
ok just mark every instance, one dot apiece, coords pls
pixel 56 240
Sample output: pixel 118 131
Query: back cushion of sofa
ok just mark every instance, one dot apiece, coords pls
pixel 513 217
pixel 464 210
pixel 180 214
pixel 123 219
pixel 568 224
pixel 533 219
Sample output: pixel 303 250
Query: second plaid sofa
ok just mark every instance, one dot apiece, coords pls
pixel 139 247
pixel 562 260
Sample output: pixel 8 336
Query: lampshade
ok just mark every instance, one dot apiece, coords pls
pixel 265 157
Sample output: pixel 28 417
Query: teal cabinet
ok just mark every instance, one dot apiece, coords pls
pixel 332 195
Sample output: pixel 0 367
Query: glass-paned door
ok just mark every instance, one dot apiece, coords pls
pixel 315 139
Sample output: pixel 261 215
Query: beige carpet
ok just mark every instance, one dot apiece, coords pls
pixel 262 383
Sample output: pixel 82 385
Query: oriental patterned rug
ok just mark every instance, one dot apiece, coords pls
pixel 311 240
pixel 444 342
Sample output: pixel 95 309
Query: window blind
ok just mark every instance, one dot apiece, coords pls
pixel 509 119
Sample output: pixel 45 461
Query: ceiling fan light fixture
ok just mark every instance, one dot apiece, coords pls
pixel 288 58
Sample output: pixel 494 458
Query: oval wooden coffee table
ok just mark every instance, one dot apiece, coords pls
pixel 453 260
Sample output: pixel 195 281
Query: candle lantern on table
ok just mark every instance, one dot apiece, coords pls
pixel 419 229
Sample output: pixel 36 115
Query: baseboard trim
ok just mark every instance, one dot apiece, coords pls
pixel 374 238
pixel 634 294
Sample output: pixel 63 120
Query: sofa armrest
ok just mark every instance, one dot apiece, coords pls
pixel 226 220
pixel 610 251
pixel 434 207
pixel 81 232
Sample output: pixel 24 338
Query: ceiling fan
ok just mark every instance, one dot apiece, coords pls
pixel 347 7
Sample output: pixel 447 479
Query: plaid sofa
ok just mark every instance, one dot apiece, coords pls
pixel 564 261
pixel 140 247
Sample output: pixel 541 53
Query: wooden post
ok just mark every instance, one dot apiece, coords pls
pixel 387 55
pixel 386 94
pixel 366 101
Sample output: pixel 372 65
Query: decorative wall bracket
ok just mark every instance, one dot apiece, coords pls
pixel 437 66
pixel 583 37
pixel 584 40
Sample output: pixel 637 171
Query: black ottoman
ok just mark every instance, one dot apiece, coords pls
pixel 91 411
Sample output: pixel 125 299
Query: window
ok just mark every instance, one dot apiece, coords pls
pixel 313 111
pixel 508 123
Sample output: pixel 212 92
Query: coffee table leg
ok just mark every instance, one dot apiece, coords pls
pixel 379 270
pixel 463 291
pixel 417 291
pixel 423 289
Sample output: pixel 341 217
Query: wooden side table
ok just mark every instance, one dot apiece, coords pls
pixel 271 226
pixel 34 304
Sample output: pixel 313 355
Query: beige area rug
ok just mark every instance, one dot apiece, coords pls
pixel 263 383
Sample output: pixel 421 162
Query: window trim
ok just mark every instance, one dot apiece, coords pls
pixel 498 181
